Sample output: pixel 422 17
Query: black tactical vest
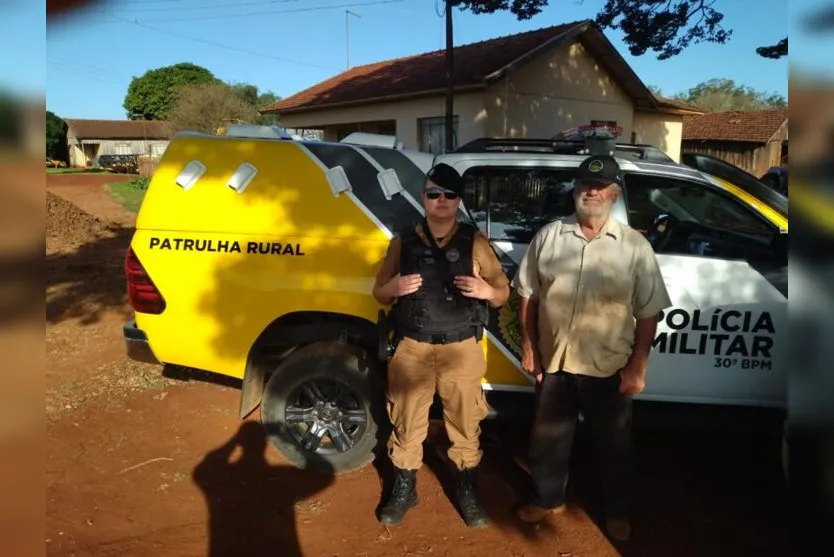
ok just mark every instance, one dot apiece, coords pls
pixel 438 313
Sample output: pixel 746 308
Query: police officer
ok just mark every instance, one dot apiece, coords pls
pixel 442 275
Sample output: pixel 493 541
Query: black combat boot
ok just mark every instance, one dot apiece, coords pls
pixel 403 497
pixel 467 499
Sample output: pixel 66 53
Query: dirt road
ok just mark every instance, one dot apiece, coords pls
pixel 142 465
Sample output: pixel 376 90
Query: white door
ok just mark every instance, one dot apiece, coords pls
pixel 724 338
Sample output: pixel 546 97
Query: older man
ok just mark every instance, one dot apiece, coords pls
pixel 591 293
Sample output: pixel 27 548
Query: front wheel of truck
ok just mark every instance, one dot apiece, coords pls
pixel 323 408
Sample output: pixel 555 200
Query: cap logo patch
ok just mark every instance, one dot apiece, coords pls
pixel 595 166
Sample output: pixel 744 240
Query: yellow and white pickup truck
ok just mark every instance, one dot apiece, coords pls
pixel 255 258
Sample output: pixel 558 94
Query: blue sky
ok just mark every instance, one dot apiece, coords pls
pixel 91 57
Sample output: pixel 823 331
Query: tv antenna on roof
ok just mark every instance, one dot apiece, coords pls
pixel 348 13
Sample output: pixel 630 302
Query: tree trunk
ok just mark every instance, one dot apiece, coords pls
pixel 449 80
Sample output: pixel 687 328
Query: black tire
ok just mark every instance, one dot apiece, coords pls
pixel 326 386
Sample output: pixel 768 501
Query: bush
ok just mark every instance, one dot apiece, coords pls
pixel 140 183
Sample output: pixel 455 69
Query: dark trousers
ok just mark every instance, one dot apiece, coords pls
pixel 560 397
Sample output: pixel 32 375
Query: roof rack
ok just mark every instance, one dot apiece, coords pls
pixel 484 144
pixel 644 152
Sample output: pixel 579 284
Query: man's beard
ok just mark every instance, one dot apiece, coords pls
pixel 591 210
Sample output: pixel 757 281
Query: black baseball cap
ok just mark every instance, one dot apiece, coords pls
pixel 599 167
pixel 446 177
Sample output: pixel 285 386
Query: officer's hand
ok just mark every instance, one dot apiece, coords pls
pixel 474 287
pixel 404 285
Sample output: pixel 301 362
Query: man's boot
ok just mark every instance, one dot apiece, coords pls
pixel 403 497
pixel 467 499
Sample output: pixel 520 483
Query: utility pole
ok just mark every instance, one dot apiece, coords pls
pixel 449 79
pixel 348 13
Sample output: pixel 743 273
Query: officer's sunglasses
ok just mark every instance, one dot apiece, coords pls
pixel 435 193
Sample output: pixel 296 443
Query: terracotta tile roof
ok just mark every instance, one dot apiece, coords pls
pixel 423 72
pixel 755 125
pixel 118 129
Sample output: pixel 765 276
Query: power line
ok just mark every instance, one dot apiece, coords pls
pixel 200 7
pixel 261 13
pixel 221 45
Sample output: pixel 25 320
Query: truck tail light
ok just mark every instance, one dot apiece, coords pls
pixel 144 296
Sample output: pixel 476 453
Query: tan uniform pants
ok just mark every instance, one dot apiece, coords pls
pixel 454 371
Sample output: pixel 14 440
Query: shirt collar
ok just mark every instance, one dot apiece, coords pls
pixel 610 228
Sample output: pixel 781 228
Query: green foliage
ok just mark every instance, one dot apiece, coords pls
pixel 56 137
pixel 718 95
pixel 663 26
pixel 153 94
pixel 130 194
pixel 257 100
pixel 666 27
pixel 140 183
pixel 774 51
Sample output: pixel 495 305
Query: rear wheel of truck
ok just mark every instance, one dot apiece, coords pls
pixel 323 408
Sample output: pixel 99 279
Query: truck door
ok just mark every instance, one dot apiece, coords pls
pixel 723 341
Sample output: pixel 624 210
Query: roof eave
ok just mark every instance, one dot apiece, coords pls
pixel 671 110
pixel 569 33
pixel 372 100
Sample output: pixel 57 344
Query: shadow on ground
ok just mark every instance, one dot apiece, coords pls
pixel 696 493
pixel 88 281
pixel 253 506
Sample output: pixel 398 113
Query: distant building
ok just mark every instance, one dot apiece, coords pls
pixel 89 139
pixel 754 140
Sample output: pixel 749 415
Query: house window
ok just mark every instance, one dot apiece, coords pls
pixel 433 134
pixel 121 149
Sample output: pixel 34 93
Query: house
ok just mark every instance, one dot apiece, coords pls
pixel 89 139
pixel 753 140
pixel 527 85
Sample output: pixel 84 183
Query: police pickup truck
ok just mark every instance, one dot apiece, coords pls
pixel 255 258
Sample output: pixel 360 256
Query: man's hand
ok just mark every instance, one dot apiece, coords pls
pixel 531 362
pixel 633 377
pixel 474 287
pixel 402 285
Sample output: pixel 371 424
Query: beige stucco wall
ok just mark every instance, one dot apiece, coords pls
pixel 664 131
pixel 555 91
pixel 468 107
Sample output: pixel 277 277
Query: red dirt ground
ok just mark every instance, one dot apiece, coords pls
pixel 138 465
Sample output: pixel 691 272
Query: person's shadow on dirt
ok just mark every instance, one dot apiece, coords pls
pixel 252 505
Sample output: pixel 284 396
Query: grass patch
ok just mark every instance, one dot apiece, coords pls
pixel 53 170
pixel 130 194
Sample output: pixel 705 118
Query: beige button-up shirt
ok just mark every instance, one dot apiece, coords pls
pixel 589 294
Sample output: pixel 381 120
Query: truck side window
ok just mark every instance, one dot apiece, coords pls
pixel 696 219
pixel 519 200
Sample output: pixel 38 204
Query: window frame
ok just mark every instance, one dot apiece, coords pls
pixel 720 192
pixel 619 210
pixel 430 122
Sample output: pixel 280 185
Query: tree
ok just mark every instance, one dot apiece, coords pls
pixel 209 107
pixel 774 51
pixel 656 91
pixel 152 95
pixel 718 95
pixel 56 137
pixel 257 100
